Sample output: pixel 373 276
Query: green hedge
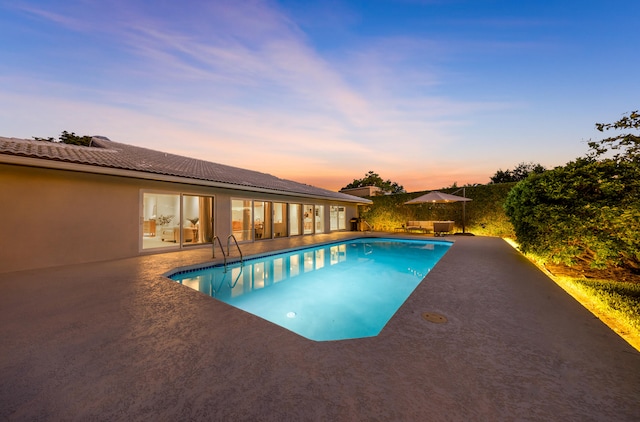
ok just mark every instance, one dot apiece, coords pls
pixel 484 214
pixel 587 211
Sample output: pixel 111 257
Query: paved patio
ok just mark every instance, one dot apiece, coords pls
pixel 117 341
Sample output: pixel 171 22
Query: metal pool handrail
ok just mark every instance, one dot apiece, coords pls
pixel 231 236
pixel 225 255
pixel 213 244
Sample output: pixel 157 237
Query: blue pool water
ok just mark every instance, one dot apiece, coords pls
pixel 331 292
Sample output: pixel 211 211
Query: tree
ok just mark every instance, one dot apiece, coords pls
pixel 520 172
pixel 374 179
pixel 627 144
pixel 586 211
pixel 68 138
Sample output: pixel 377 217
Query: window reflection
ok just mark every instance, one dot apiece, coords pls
pixel 337 254
pixel 260 274
pixel 308 261
pixel 319 258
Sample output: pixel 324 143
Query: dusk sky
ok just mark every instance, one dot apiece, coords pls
pixel 426 93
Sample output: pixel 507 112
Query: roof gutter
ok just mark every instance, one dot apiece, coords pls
pixel 111 171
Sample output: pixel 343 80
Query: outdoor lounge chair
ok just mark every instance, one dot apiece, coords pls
pixel 441 227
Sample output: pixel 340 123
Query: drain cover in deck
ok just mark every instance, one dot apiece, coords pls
pixel 435 318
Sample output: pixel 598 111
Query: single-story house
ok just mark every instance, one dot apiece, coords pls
pixel 67 204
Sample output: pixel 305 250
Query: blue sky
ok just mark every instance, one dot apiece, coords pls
pixel 426 93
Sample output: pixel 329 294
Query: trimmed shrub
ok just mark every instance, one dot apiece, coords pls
pixel 485 214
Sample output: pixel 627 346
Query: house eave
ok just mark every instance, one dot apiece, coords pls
pixel 111 171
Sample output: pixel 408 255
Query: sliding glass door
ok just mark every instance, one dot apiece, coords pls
pixel 241 219
pixel 295 220
pixel 279 219
pixel 337 218
pixel 171 219
pixel 308 218
pixel 319 218
pixel 262 220
pixel 342 218
pixel 161 216
pixel 198 219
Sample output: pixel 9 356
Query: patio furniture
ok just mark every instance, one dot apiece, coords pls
pixel 419 226
pixel 441 227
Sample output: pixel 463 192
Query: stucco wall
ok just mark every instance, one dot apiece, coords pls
pixel 51 217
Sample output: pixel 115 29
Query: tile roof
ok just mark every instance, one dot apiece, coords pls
pixel 106 153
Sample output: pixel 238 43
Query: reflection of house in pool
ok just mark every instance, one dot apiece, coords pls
pixel 72 204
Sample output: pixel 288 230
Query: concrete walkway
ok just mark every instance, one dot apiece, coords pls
pixel 116 341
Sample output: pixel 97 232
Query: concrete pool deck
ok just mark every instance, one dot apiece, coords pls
pixel 117 341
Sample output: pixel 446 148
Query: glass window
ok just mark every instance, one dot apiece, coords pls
pixel 294 219
pixel 279 219
pixel 308 219
pixel 241 219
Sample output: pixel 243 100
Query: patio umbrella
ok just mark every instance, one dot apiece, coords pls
pixel 436 197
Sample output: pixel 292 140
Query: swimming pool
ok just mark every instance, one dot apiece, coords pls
pixel 331 292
